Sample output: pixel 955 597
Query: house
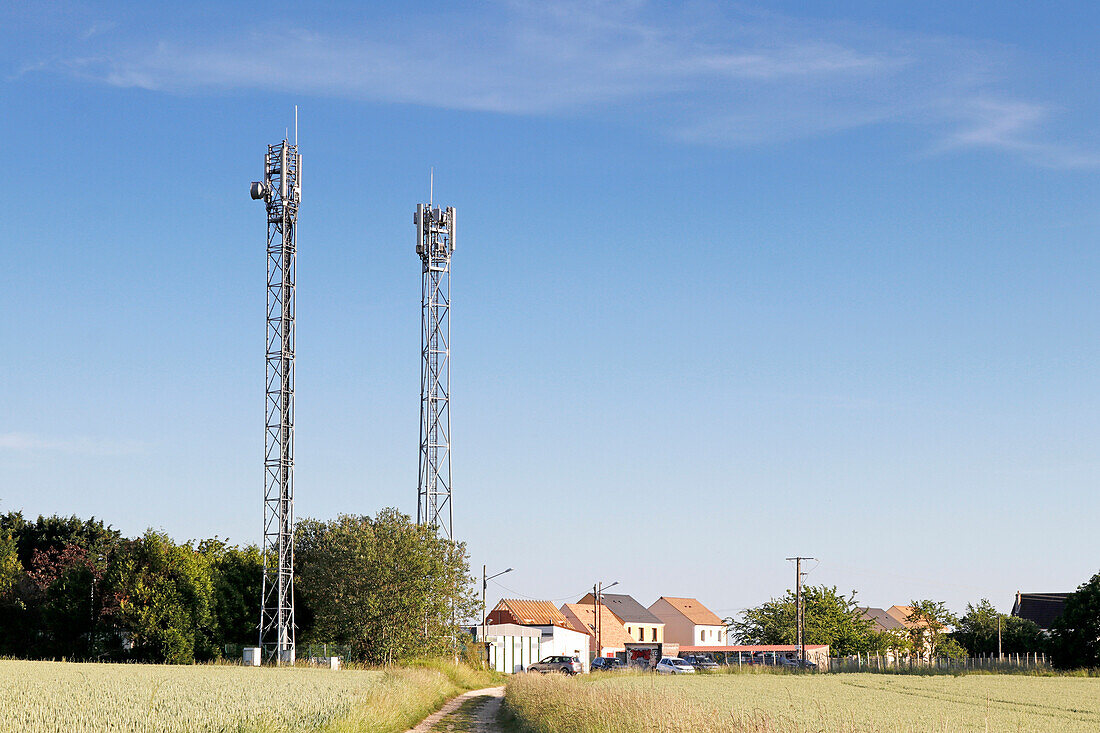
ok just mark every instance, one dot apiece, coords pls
pixel 557 636
pixel 881 621
pixel 688 622
pixel 1041 608
pixel 638 621
pixel 901 614
pixel 612 636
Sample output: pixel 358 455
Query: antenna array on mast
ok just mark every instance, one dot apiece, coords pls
pixel 280 190
pixel 435 242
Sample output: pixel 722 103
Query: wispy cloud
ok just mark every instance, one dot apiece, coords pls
pixel 99 27
pixel 30 443
pixel 705 75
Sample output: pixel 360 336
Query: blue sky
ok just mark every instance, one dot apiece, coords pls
pixel 735 282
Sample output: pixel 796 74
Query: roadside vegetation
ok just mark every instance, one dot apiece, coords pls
pixel 931 631
pixel 37 697
pixel 77 589
pixel 798 703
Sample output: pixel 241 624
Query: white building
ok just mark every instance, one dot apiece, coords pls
pixel 559 641
pixel 512 648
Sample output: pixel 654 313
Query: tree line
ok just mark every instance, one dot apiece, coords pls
pixel 836 619
pixel 382 587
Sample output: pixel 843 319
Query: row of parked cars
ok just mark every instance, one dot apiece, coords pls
pixel 667 665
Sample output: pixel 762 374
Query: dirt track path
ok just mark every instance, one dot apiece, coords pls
pixel 475 711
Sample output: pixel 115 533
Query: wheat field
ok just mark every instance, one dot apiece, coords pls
pixel 41 697
pixel 840 703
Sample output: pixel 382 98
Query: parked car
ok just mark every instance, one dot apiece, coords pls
pixel 795 664
pixel 673 665
pixel 607 664
pixel 701 662
pixel 565 665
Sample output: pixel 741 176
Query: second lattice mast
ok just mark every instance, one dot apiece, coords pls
pixel 435 242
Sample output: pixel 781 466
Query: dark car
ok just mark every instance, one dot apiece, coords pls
pixel 607 664
pixel 701 662
pixel 794 663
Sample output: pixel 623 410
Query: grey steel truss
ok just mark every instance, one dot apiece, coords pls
pixel 435 241
pixel 280 191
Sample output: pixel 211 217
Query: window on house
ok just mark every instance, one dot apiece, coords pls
pixel 641 633
pixel 653 634
pixel 702 635
pixel 630 630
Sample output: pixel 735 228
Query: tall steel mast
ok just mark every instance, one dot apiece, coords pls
pixel 435 242
pixel 280 191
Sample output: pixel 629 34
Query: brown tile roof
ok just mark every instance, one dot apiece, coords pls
pixel 901 614
pixel 527 613
pixel 882 620
pixel 695 611
pixel 582 617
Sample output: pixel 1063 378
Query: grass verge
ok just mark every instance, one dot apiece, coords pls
pixel 407 695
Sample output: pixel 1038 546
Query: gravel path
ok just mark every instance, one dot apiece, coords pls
pixel 482 720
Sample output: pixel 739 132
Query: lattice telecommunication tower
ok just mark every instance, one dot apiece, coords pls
pixel 435 242
pixel 280 190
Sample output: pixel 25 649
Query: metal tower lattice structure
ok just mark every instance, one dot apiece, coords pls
pixel 280 191
pixel 435 242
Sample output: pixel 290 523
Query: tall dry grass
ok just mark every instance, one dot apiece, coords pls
pixel 757 703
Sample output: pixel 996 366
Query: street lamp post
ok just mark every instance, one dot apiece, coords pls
pixel 484 620
pixel 597 595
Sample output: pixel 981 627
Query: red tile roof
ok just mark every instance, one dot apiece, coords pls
pixel 527 613
pixel 694 611
pixel 751 648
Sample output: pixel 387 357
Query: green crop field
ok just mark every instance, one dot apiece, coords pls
pixel 58 696
pixel 843 703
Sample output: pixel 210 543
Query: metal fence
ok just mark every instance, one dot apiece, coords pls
pixel 885 663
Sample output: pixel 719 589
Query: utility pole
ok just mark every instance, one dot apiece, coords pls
pixel 999 655
pixel 798 615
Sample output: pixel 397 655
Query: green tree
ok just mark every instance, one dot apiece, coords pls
pixel 11 570
pixel 928 622
pixel 55 608
pixel 976 631
pixel 830 617
pixel 385 587
pixel 237 578
pixel 165 600
pixel 1075 635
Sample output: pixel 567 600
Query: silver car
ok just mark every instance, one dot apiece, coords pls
pixel 565 665
pixel 673 665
